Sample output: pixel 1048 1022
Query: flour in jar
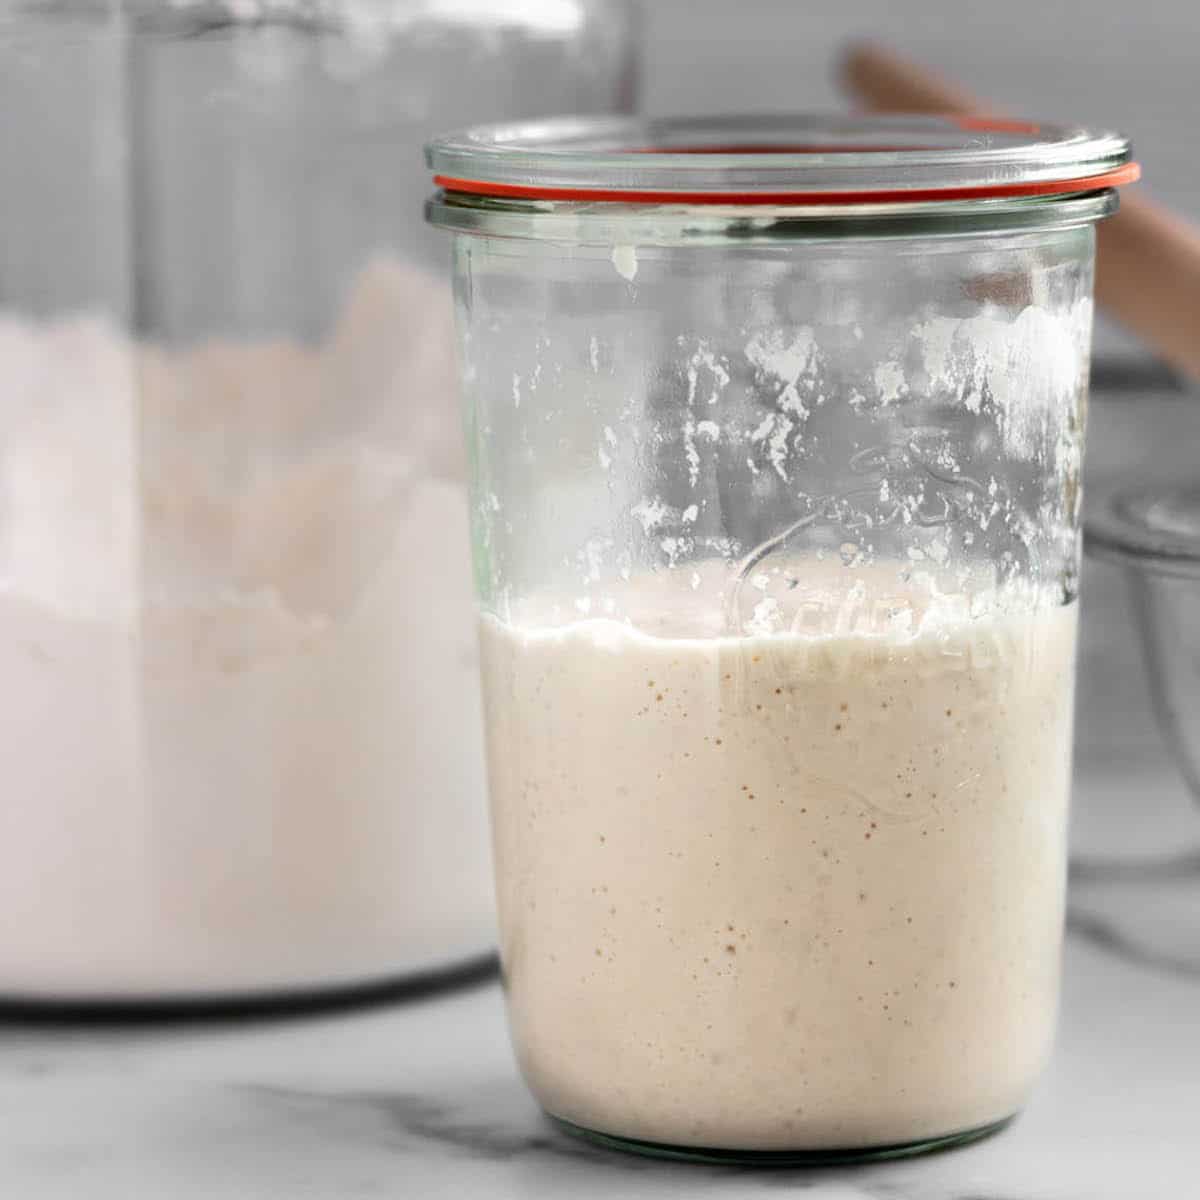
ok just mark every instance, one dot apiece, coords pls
pixel 241 734
pixel 781 890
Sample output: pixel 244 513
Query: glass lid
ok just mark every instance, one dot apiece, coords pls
pixel 789 160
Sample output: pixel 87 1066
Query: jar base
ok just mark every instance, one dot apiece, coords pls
pixel 781 1158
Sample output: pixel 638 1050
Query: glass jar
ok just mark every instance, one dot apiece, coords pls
pixel 775 432
pixel 243 744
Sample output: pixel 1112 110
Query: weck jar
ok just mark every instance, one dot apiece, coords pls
pixel 775 432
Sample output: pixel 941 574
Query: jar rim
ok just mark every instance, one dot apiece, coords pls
pixel 792 161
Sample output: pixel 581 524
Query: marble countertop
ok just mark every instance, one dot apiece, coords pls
pixel 420 1098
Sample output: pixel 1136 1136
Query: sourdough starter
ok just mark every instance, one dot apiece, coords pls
pixel 241 736
pixel 780 890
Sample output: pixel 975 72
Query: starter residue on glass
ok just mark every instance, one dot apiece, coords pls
pixel 624 259
pixel 894 437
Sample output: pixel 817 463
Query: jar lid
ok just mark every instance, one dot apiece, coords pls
pixel 1156 529
pixel 800 160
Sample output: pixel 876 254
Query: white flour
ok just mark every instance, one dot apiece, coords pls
pixel 241 736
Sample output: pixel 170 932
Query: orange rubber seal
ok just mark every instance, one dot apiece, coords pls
pixel 1117 177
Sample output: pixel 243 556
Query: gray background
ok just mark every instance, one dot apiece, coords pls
pixel 1133 66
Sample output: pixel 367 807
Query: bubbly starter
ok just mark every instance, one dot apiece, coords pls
pixel 781 890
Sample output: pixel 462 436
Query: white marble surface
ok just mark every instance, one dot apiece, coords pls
pixel 421 1099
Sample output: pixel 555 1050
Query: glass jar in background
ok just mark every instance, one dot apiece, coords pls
pixel 775 431
pixel 242 742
